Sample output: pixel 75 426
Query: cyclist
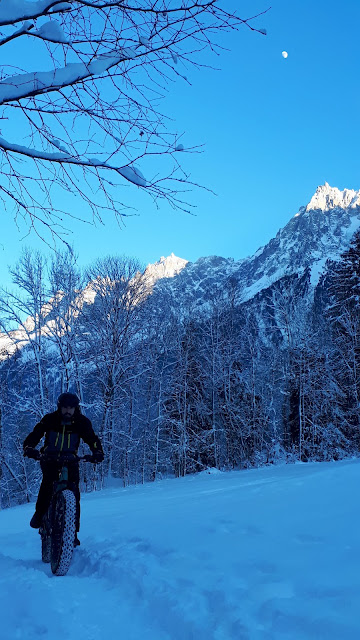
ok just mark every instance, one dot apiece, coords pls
pixel 63 430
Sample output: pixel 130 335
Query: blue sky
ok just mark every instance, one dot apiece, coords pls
pixel 273 129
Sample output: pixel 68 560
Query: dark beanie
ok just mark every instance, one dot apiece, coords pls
pixel 68 400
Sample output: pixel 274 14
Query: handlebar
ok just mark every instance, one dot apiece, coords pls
pixel 63 457
pixel 57 457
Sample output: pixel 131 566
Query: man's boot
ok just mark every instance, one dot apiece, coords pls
pixel 35 521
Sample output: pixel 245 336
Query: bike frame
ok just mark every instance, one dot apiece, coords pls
pixel 62 481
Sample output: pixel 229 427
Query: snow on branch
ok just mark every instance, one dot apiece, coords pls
pixel 25 28
pixel 51 31
pixel 12 11
pixel 85 103
pixel 130 173
pixel 38 82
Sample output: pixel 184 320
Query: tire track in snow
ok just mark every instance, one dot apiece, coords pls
pixel 148 577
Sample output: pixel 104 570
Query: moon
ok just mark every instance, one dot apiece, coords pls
pixel 284 54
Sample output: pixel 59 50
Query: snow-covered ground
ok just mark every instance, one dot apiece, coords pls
pixel 251 555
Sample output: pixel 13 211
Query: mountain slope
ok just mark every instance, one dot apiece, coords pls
pixel 319 231
pixel 264 554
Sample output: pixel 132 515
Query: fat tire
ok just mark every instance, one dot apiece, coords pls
pixel 63 532
pixel 45 539
pixel 45 547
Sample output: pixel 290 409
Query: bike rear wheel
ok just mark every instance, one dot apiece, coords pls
pixel 63 532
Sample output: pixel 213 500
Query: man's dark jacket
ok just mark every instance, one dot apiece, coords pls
pixel 61 437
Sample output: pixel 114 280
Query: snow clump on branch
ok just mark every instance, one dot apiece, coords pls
pixel 134 175
pixel 52 31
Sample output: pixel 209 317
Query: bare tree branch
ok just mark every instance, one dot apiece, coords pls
pixel 90 117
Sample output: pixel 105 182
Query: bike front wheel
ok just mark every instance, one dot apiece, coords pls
pixel 63 532
pixel 45 540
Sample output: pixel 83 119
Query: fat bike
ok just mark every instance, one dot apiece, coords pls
pixel 58 527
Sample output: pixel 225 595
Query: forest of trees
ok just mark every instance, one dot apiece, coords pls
pixel 171 391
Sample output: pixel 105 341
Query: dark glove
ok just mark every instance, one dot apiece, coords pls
pixel 29 452
pixel 97 456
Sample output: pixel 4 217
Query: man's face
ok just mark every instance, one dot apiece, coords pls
pixel 67 412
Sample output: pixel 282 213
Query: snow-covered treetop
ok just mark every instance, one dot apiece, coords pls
pixel 101 282
pixel 326 197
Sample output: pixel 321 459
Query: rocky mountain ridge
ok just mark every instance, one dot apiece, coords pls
pixel 319 231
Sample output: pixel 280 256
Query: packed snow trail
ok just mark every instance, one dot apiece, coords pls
pixel 262 554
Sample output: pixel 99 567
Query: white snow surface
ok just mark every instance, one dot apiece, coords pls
pixel 263 554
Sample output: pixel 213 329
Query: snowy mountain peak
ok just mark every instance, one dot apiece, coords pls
pixel 165 268
pixel 306 242
pixel 327 197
